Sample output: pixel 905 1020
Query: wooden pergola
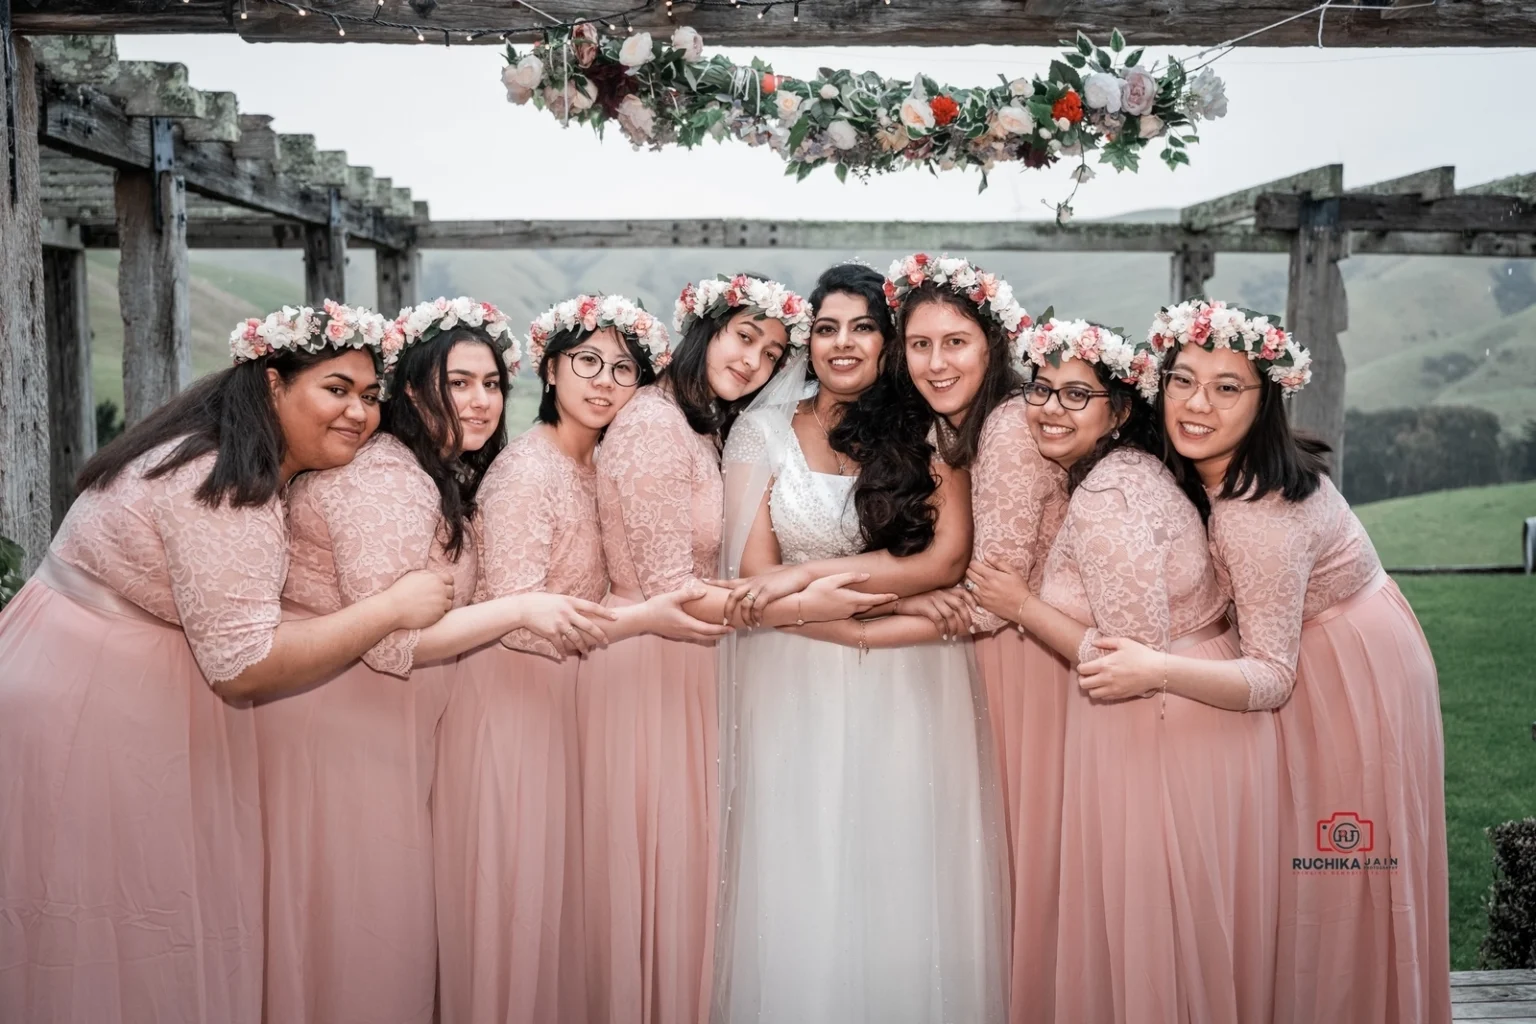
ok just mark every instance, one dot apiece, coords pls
pixel 110 154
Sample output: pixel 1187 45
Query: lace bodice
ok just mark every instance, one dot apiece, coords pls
pixel 1018 500
pixel 659 497
pixel 1131 559
pixel 216 572
pixel 813 513
pixel 1283 562
pixel 358 528
pixel 539 530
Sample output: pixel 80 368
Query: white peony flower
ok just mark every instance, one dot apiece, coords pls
pixel 687 39
pixel 1138 95
pixel 1151 126
pixel 527 73
pixel 788 105
pixel 1101 91
pixel 1021 87
pixel 842 134
pixel 1062 124
pixel 829 91
pixel 1015 120
pixel 916 113
pixel 636 50
pixel 636 119
pixel 1207 96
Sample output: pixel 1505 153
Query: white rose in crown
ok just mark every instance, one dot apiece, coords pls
pixel 1207 96
pixel 1101 91
pixel 1151 126
pixel 788 105
pixel 917 113
pixel 842 134
pixel 1015 120
pixel 828 91
pixel 1021 87
pixel 687 39
pixel 1138 94
pixel 636 50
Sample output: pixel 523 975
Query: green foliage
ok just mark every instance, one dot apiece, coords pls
pixel 10 570
pixel 1510 944
pixel 109 422
pixel 1397 452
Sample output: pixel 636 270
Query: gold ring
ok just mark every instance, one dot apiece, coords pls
pixel 751 597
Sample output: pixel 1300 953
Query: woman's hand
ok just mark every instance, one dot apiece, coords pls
pixel 420 598
pixel 569 623
pixel 663 615
pixel 1130 669
pixel 948 609
pixel 755 593
pixel 997 588
pixel 829 598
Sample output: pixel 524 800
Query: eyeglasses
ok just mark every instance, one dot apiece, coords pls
pixel 1073 397
pixel 1222 394
pixel 587 365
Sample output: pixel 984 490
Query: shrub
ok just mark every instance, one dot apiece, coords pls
pixel 1510 944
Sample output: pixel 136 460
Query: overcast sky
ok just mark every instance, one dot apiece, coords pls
pixel 436 120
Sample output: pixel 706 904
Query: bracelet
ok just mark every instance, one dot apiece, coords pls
pixel 1018 616
pixel 1162 709
pixel 799 609
pixel 863 639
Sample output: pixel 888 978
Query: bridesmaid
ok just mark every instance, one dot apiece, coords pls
pixel 346 767
pixel 130 879
pixel 1168 880
pixel 1327 639
pixel 506 810
pixel 646 706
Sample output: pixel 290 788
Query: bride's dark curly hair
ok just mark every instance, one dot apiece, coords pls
pixel 885 431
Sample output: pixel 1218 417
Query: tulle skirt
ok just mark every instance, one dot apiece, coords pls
pixel 647 726
pixel 1169 880
pixel 346 775
pixel 506 831
pixel 1026 686
pixel 130 871
pixel 865 859
pixel 1364 932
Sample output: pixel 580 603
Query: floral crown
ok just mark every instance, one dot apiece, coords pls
pixel 301 328
pixel 595 313
pixel 991 294
pixel 429 319
pixel 1213 325
pixel 1054 341
pixel 768 299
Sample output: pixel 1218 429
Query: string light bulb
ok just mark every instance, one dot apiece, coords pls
pixel 797 10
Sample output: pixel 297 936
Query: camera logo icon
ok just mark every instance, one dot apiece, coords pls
pixel 1346 832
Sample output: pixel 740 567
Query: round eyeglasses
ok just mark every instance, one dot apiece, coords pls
pixel 1222 394
pixel 1073 397
pixel 588 364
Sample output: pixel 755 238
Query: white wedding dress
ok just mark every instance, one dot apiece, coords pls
pixel 862 851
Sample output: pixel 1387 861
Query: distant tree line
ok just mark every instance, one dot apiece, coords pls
pixel 1397 452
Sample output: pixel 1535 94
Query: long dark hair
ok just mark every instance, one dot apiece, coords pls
pixel 688 374
pixel 884 430
pixel 1000 380
pixel 229 412
pixel 549 409
pixel 1270 457
pixel 418 421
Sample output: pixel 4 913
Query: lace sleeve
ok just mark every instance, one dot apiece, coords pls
pixel 383 517
pixel 648 466
pixel 1011 484
pixel 226 567
pixel 1121 548
pixel 518 499
pixel 1267 550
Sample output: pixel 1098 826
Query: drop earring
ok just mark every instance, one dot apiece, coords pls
pixel 1115 434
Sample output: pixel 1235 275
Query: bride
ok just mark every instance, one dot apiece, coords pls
pixel 860 876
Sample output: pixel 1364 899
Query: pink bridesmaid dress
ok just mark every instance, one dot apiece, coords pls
pixel 646 708
pixel 506 806
pixel 346 766
pixel 1329 640
pixel 1169 812
pixel 130 874
pixel 1019 499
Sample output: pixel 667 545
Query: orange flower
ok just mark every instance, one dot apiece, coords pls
pixel 946 110
pixel 1069 106
pixel 771 85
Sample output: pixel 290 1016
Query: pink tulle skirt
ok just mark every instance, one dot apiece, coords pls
pixel 346 776
pixel 1027 691
pixel 1364 932
pixel 507 836
pixel 130 871
pixel 1168 874
pixel 648 731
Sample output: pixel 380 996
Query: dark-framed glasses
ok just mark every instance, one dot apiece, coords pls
pixel 588 364
pixel 1073 397
pixel 1222 394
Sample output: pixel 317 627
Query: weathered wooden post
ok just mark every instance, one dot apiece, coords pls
pixel 1190 268
pixel 1317 312
pixel 71 404
pixel 24 488
pixel 152 278
pixel 325 257
pixel 397 272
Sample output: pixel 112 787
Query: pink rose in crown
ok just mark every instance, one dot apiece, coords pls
pixel 794 305
pixel 337 330
pixel 643 323
pixel 587 312
pixel 1274 344
pixel 251 326
pixel 1200 330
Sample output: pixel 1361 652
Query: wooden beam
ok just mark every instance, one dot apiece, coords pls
pixel 397 275
pixel 76 60
pixel 325 259
pixel 1405 213
pixel 1443 243
pixel 1189 269
pixel 849 22
pixel 152 89
pixel 25 500
pixel 71 405
pixel 61 234
pixel 1515 185
pixel 1229 209
pixel 1435 183
pixel 152 279
pixel 1316 313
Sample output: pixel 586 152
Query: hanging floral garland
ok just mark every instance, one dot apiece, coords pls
pixel 664 93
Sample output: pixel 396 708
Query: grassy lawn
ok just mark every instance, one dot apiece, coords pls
pixel 1474 526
